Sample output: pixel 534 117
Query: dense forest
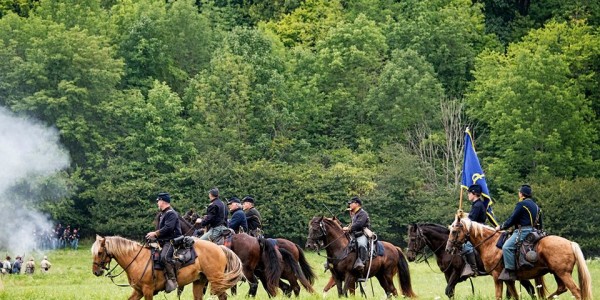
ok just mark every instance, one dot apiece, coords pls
pixel 305 103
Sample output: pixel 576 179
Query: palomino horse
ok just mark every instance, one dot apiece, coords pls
pixel 556 255
pixel 435 237
pixel 384 267
pixel 254 254
pixel 216 265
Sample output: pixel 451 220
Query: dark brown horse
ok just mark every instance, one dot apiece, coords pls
pixel 255 254
pixel 216 265
pixel 336 241
pixel 295 268
pixel 556 255
pixel 435 237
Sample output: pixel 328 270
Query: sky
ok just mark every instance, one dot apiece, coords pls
pixel 31 158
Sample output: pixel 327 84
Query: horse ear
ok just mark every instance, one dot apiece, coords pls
pixel 99 237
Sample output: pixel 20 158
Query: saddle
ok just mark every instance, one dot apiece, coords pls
pixel 224 238
pixel 183 255
pixel 526 249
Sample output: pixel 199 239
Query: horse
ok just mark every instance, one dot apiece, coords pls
pixel 296 267
pixel 254 253
pixel 556 255
pixel 337 242
pixel 214 264
pixel 435 237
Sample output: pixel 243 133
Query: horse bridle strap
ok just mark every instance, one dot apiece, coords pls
pixel 112 277
pixel 322 236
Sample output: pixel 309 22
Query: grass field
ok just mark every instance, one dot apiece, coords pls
pixel 71 278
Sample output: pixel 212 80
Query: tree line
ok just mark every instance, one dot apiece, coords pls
pixel 305 103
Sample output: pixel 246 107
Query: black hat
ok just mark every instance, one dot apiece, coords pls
pixel 475 189
pixel 214 191
pixel 233 200
pixel 525 190
pixel 248 199
pixel 164 197
pixel 355 200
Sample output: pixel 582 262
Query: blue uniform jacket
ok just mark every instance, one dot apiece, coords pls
pixel 521 216
pixel 238 220
pixel 360 221
pixel 168 225
pixel 216 215
pixel 478 212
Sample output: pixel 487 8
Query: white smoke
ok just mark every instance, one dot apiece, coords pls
pixel 30 158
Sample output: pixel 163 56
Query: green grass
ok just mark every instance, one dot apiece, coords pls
pixel 71 278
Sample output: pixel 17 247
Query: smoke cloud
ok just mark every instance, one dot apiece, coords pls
pixel 31 158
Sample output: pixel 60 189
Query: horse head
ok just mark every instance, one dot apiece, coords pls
pixel 101 256
pixel 416 242
pixel 459 234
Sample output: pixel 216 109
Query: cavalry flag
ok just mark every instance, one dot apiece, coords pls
pixel 473 174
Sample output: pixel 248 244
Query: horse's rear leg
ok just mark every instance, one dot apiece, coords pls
pixel 567 280
pixel 387 284
pixel 511 290
pixel 137 295
pixel 199 287
pixel 560 287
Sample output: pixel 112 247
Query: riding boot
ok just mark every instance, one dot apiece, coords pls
pixel 468 269
pixel 471 261
pixel 361 256
pixel 507 275
pixel 171 283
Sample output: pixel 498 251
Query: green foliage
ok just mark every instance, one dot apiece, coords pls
pixel 535 105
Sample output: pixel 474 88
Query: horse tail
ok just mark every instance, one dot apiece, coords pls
pixel 289 259
pixel 232 274
pixel 306 268
pixel 585 280
pixel 404 275
pixel 272 267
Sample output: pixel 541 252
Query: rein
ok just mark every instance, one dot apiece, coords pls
pixel 322 236
pixel 112 277
pixel 422 253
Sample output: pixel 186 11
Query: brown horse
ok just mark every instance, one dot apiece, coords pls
pixel 337 242
pixel 295 268
pixel 254 254
pixel 556 255
pixel 435 237
pixel 216 265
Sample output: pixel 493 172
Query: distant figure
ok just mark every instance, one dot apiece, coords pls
pixel 75 239
pixel 6 266
pixel 45 265
pixel 16 269
pixel 30 266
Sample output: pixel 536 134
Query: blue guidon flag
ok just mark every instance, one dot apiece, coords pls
pixel 473 174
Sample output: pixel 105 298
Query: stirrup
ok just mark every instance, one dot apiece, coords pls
pixel 361 280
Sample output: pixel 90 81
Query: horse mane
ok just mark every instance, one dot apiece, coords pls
pixel 434 225
pixel 116 246
pixel 478 228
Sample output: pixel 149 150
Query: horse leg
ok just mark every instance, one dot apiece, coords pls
pixel 286 288
pixel 498 286
pixel 387 284
pixel 198 287
pixel 568 281
pixel 528 287
pixel 512 290
pixel 349 285
pixel 451 281
pixel 137 295
pixel 560 287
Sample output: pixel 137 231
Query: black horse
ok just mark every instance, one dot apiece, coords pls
pixel 435 237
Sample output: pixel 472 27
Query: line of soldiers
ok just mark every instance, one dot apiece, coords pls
pixel 215 220
pixel 8 267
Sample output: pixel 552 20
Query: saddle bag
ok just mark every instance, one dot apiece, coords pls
pixel 502 240
pixel 526 254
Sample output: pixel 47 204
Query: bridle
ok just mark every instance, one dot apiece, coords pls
pixel 105 265
pixel 421 248
pixel 322 236
pixel 455 242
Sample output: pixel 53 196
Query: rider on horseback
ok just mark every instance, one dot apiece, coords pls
pixel 168 229
pixel 252 217
pixel 525 217
pixel 238 219
pixel 360 221
pixel 216 217
pixel 477 214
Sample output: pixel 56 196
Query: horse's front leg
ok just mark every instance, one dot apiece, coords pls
pixel 349 284
pixel 137 295
pixel 451 281
pixel 498 286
